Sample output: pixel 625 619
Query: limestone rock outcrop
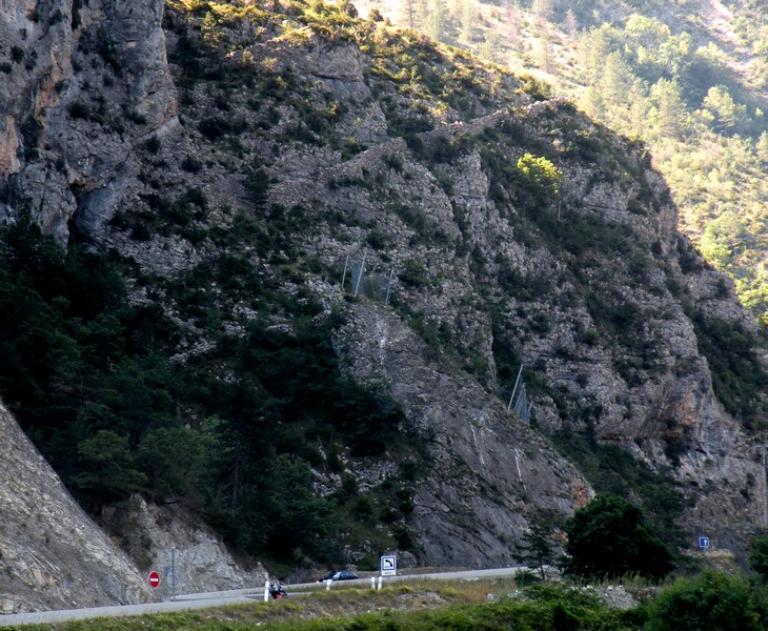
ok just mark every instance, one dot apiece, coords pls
pixel 84 84
pixel 496 475
pixel 164 537
pixel 52 555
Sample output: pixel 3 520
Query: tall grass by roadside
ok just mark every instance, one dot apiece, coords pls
pixel 549 615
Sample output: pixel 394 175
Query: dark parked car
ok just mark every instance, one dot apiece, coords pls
pixel 338 575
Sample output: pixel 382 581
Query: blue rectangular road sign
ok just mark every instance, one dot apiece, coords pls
pixel 704 543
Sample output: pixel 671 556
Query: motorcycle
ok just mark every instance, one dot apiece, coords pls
pixel 277 592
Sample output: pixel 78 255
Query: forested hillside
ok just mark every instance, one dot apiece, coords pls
pixel 690 78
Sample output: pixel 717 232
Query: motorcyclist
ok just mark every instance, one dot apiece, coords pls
pixel 276 590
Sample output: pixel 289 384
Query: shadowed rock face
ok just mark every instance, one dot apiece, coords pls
pixel 491 475
pixel 86 83
pixel 52 556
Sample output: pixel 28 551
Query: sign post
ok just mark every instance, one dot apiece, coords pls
pixel 154 579
pixel 173 573
pixel 389 565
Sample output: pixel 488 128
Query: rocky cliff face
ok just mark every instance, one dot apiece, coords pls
pixel 83 84
pixel 52 555
pixel 170 538
pixel 306 140
pixel 594 301
pixel 494 475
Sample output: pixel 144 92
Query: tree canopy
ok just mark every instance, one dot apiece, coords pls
pixel 610 537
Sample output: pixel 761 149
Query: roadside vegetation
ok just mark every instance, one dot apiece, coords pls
pixel 711 601
pixel 610 537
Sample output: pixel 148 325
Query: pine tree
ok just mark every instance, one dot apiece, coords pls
pixel 112 468
pixel 512 22
pixel 421 12
pixel 467 21
pixel 638 109
pixel 615 81
pixel 536 549
pixel 671 116
pixel 592 103
pixel 434 22
pixel 489 48
pixel 593 50
pixel 724 113
pixel 544 54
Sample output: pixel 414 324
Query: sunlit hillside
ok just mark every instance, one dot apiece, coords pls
pixel 688 77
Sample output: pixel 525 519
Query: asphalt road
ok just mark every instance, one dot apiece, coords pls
pixel 217 599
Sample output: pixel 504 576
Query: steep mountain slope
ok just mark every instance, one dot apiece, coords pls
pixel 51 554
pixel 688 77
pixel 232 354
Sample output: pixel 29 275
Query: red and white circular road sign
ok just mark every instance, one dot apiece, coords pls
pixel 154 579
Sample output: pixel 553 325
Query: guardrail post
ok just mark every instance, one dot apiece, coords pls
pixel 328 585
pixel 373 583
pixel 266 591
pixel 381 578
